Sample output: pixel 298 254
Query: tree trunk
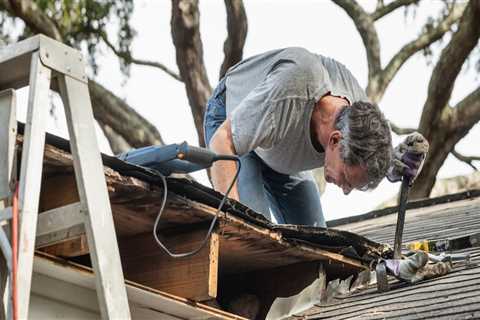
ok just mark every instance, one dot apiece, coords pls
pixel 237 28
pixel 441 125
pixel 189 53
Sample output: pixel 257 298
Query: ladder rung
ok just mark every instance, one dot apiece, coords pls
pixel 6 248
pixel 59 219
pixel 6 214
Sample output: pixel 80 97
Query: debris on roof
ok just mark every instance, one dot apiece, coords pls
pixel 451 296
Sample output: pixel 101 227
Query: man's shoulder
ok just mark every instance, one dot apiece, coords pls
pixel 300 55
pixel 299 61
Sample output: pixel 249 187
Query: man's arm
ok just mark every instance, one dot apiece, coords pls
pixel 223 171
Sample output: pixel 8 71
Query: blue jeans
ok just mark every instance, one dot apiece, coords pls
pixel 292 199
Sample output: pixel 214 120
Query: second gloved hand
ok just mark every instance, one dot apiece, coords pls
pixel 408 158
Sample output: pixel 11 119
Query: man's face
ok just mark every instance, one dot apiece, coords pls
pixel 336 171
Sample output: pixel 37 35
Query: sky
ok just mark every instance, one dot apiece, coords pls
pixel 318 25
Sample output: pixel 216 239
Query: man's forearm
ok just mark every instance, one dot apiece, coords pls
pixel 223 172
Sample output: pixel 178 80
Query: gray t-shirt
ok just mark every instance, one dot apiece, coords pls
pixel 270 99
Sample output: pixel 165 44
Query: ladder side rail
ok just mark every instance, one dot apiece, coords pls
pixel 30 177
pixel 8 135
pixel 94 199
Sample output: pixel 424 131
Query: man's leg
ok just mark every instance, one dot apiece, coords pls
pixel 251 185
pixel 294 199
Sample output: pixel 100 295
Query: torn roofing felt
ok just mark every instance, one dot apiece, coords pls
pixel 343 242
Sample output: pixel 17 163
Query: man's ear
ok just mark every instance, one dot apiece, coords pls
pixel 334 139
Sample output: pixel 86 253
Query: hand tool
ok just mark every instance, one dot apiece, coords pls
pixel 380 270
pixel 402 207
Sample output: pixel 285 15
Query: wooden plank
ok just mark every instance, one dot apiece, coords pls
pixel 58 191
pixel 56 237
pixel 193 277
pixel 71 248
pixel 214 254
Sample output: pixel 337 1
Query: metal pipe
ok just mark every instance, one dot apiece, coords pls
pixel 14 252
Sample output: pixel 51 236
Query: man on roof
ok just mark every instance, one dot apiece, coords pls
pixel 287 111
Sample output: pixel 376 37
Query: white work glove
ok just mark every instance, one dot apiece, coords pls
pixel 408 158
pixel 416 267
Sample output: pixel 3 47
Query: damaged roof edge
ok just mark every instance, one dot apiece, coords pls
pixel 315 237
pixel 410 205
pixel 182 186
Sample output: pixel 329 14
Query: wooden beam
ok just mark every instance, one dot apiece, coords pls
pixel 58 191
pixel 70 248
pixel 193 277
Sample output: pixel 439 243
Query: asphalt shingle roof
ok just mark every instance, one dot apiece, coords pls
pixel 453 296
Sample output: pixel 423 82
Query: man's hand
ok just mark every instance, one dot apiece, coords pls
pixel 408 158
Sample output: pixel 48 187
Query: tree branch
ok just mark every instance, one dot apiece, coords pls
pixel 423 41
pixel 237 28
pixel 185 25
pixel 467 112
pixel 364 24
pixel 448 66
pixel 129 59
pixel 108 109
pixel 467 159
pixel 33 17
pixel 401 131
pixel 382 10
pixel 112 111
pixel 116 141
pixel 440 124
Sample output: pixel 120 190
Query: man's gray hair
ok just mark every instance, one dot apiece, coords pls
pixel 366 140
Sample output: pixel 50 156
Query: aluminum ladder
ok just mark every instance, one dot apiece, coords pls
pixel 43 63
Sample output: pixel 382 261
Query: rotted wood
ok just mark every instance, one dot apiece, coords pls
pixel 192 277
pixel 244 246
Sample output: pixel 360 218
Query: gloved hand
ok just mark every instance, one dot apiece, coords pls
pixel 408 158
